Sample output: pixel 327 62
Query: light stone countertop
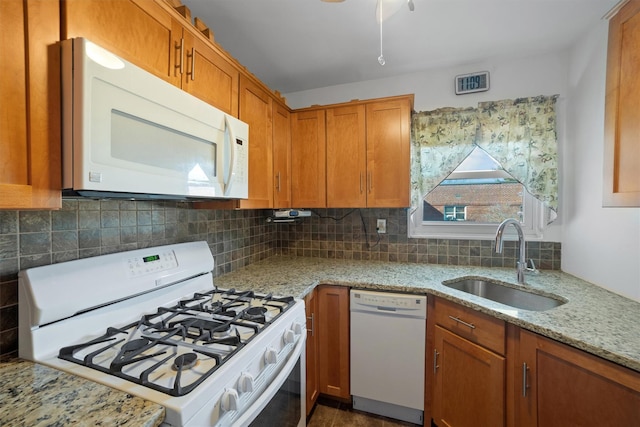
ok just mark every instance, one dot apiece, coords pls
pixel 34 395
pixel 593 319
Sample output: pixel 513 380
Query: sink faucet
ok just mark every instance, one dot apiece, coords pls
pixel 522 263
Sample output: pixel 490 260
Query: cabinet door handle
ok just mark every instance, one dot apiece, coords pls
pixel 192 73
pixel 369 181
pixel 361 189
pixel 435 360
pixel 468 325
pixel 312 330
pixel 278 182
pixel 525 386
pixel 180 48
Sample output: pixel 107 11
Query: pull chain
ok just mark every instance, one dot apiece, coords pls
pixel 381 60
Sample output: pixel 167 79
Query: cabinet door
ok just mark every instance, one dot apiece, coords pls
pixel 281 157
pixel 346 157
pixel 333 340
pixel 142 32
pixel 621 184
pixel 209 76
pixel 30 97
pixel 311 307
pixel 562 386
pixel 256 111
pixel 308 159
pixel 388 153
pixel 469 383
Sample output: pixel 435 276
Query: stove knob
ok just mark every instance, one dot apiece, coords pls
pixel 288 337
pixel 245 383
pixel 298 328
pixel 229 400
pixel 270 356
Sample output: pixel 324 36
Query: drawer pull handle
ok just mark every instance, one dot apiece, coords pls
pixel 468 325
pixel 525 386
pixel 312 330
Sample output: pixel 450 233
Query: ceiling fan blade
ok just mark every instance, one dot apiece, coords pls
pixel 389 8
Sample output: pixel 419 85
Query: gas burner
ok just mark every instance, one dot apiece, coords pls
pixel 255 313
pixel 185 361
pixel 207 330
pixel 134 345
pixel 222 332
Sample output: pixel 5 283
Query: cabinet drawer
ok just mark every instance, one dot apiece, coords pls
pixel 477 327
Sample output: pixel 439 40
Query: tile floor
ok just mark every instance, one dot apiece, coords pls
pixel 329 413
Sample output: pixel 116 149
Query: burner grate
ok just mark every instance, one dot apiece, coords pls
pixel 178 347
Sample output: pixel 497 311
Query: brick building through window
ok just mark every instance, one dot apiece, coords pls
pixel 483 200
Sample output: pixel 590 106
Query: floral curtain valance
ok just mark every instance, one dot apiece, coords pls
pixel 519 133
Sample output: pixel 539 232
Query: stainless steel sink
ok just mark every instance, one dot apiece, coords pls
pixel 518 298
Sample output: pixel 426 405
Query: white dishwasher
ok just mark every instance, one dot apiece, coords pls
pixel 388 353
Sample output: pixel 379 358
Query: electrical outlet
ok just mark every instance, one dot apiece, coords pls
pixel 381 226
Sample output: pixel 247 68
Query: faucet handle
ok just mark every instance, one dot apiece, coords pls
pixel 533 268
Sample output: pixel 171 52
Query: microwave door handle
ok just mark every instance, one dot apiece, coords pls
pixel 228 130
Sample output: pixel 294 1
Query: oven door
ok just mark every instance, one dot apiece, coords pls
pixel 282 404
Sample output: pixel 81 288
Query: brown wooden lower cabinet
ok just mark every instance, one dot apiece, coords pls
pixel 469 383
pixel 559 385
pixel 333 340
pixel 311 307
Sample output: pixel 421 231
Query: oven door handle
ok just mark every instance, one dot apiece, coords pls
pixel 254 409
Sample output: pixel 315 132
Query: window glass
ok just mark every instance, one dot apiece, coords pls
pixel 478 190
pixel 473 200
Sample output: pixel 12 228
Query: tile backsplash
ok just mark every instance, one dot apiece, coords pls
pixel 351 234
pixel 85 228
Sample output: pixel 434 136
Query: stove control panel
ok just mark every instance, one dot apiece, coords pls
pixel 152 263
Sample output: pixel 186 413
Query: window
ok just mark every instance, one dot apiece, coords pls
pixel 455 213
pixel 477 196
pixel 490 160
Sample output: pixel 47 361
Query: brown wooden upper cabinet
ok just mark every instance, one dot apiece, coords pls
pixel 388 153
pixel 153 36
pixel 363 147
pixel 256 109
pixel 347 179
pixel 308 159
pixel 281 156
pixel 30 98
pixel 622 116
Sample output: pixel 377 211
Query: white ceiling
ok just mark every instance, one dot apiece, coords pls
pixel 294 45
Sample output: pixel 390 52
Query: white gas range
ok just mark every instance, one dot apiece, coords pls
pixel 150 322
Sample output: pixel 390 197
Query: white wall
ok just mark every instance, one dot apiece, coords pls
pixel 600 245
pixel 509 78
pixel 545 74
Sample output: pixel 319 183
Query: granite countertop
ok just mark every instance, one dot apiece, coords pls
pixel 593 319
pixel 36 395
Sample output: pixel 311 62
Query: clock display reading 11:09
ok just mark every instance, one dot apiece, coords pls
pixel 475 82
pixel 151 258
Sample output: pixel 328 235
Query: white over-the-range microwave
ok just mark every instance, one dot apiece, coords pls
pixel 130 134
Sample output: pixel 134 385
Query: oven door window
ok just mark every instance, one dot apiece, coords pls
pixel 284 409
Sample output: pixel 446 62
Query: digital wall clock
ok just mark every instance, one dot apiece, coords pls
pixel 472 82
